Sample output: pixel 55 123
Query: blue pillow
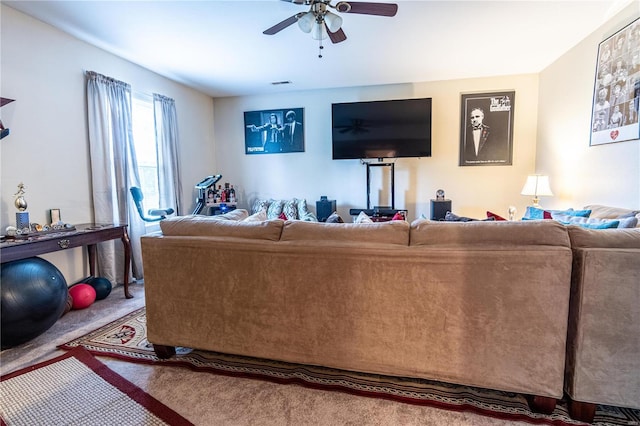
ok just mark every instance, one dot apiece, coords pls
pixel 537 213
pixel 603 225
pixel 595 223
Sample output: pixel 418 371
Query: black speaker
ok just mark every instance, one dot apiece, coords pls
pixel 324 208
pixel 439 209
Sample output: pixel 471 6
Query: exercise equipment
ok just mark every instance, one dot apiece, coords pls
pixel 158 214
pixel 101 285
pixel 202 187
pixel 33 297
pixel 83 296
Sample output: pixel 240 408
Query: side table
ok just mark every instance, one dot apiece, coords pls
pixel 87 234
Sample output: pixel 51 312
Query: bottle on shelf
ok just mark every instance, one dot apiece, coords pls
pixel 232 195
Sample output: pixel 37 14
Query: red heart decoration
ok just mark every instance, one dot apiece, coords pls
pixel 614 134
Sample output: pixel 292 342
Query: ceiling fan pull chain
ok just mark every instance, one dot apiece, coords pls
pixel 320 47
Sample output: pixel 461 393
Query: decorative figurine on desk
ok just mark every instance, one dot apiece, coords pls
pixel 512 212
pixel 22 217
pixel 440 195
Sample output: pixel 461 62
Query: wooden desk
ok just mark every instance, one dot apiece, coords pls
pixel 87 234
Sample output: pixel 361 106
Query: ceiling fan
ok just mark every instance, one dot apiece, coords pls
pixel 322 23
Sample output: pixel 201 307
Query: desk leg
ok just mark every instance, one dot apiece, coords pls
pixel 127 262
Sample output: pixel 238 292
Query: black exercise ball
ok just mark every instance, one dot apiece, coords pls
pixel 101 285
pixel 33 297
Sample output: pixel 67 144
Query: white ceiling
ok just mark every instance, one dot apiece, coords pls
pixel 218 46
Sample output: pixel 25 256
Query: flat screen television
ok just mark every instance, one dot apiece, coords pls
pixel 381 129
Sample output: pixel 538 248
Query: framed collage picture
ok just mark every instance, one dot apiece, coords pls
pixel 486 129
pixel 274 131
pixel 616 89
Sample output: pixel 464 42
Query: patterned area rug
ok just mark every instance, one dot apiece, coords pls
pixel 125 339
pixel 76 388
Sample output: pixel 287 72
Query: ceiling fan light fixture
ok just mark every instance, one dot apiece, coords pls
pixel 334 22
pixel 306 22
pixel 319 31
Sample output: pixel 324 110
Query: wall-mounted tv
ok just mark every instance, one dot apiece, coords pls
pixel 381 129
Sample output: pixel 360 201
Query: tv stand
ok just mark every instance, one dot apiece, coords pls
pixel 379 213
pixel 393 184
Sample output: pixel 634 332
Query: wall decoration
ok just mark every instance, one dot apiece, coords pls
pixel 54 216
pixel 274 131
pixel 616 90
pixel 486 132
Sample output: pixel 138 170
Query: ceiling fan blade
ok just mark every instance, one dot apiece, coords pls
pixel 337 37
pixel 282 25
pixel 367 8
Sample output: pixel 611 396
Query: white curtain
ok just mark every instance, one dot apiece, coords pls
pixel 166 124
pixel 113 170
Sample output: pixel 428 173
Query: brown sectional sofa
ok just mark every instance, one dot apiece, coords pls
pixel 480 303
pixel 603 348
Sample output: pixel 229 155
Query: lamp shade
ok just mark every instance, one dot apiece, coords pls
pixel 306 21
pixel 537 185
pixel 334 22
pixel 319 32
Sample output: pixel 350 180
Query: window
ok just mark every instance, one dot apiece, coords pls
pixel 144 140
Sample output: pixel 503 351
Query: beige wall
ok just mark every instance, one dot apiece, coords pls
pixel 473 190
pixel 580 174
pixel 42 68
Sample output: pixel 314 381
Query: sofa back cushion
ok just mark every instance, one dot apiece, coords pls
pixel 237 214
pixel 604 238
pixel 394 232
pixel 492 233
pixel 610 212
pixel 210 226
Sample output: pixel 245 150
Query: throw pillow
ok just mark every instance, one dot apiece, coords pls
pixel 308 217
pixel 398 216
pixel 275 208
pixel 282 216
pixel 603 225
pixel 628 222
pixel 363 218
pixel 335 218
pixel 302 208
pixel 290 208
pixel 596 223
pixel 259 205
pixel 450 217
pixel 495 216
pixel 538 213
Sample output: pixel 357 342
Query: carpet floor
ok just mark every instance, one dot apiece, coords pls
pixel 218 399
pixel 77 389
pixel 126 338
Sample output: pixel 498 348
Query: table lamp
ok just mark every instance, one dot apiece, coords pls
pixel 537 185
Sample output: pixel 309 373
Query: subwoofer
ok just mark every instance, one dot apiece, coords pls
pixel 439 209
pixel 324 208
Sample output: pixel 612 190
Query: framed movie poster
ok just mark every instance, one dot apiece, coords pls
pixel 614 116
pixel 486 132
pixel 274 131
